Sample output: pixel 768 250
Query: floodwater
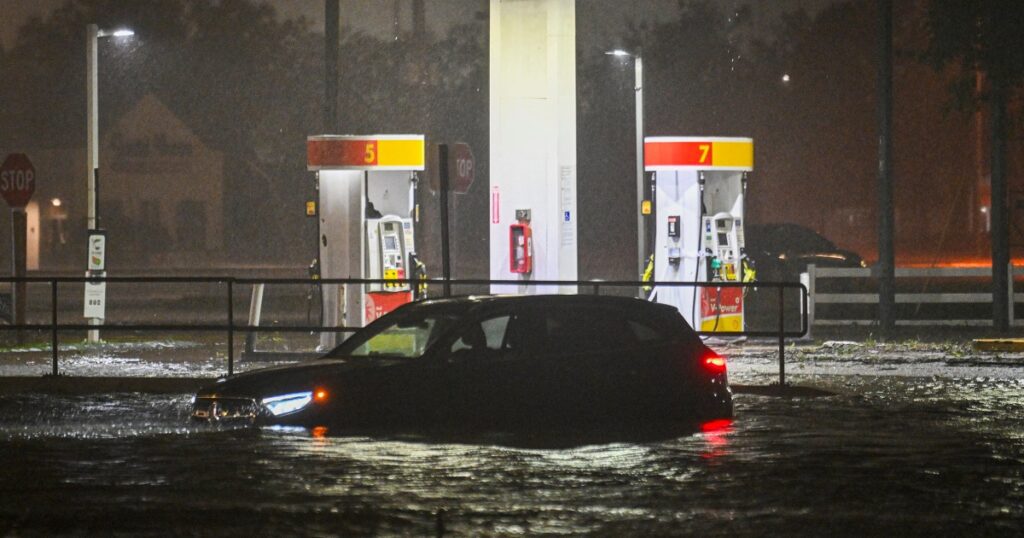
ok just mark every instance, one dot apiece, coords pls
pixel 918 450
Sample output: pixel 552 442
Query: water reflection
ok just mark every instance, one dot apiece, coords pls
pixel 890 456
pixel 716 434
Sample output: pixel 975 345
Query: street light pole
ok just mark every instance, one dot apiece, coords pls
pixel 92 158
pixel 92 166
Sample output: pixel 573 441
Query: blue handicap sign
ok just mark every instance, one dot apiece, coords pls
pixel 567 218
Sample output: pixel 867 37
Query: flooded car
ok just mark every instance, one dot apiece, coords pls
pixel 492 362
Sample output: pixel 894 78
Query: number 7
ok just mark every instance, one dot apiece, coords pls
pixel 704 149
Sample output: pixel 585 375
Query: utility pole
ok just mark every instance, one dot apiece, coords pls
pixel 886 253
pixel 1000 230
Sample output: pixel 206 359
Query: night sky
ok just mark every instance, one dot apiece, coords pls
pixel 815 132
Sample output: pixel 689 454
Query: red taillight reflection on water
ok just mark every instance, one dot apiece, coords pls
pixel 716 425
pixel 716 433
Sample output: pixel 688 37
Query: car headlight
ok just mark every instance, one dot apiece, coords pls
pixel 287 403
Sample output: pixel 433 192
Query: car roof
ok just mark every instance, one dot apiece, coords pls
pixel 474 302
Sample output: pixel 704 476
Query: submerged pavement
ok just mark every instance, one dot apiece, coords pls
pixel 181 365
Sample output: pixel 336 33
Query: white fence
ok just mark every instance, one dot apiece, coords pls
pixel 815 275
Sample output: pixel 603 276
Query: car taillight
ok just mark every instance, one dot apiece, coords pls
pixel 713 362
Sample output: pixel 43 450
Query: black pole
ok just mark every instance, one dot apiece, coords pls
pixel 54 342
pixel 782 338
pixel 231 326
pixel 331 33
pixel 446 266
pixel 96 196
pixel 886 251
pixel 19 229
pixel 1000 229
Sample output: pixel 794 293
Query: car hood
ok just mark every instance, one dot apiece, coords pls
pixel 834 258
pixel 300 377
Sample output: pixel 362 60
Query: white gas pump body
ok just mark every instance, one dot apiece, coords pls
pixel 704 201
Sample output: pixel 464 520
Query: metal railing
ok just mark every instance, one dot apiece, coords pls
pixel 814 275
pixel 230 284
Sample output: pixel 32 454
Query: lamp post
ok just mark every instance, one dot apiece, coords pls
pixel 92 159
pixel 638 89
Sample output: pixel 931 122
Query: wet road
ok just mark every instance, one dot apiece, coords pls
pixel 909 448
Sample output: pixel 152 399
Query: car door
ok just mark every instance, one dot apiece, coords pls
pixel 654 367
pixel 576 364
pixel 485 360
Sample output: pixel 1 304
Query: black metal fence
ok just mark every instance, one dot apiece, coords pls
pixel 231 285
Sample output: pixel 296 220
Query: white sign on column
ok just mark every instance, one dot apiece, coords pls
pixel 97 250
pixel 96 292
pixel 95 297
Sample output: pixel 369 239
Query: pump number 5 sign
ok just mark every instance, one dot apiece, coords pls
pixel 373 152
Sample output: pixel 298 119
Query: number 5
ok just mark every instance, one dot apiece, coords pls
pixel 371 153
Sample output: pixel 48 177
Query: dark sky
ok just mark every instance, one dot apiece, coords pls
pixel 377 16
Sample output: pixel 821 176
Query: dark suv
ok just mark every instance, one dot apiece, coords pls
pixel 490 363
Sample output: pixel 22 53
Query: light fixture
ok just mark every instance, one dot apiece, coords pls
pixel 120 32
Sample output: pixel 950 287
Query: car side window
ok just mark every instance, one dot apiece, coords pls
pixel 584 330
pixel 643 333
pixel 487 334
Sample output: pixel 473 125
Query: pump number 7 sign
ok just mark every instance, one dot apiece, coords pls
pixel 676 153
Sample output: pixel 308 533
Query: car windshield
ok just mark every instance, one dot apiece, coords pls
pixel 407 335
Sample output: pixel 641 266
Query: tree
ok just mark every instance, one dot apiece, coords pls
pixel 984 36
pixel 245 80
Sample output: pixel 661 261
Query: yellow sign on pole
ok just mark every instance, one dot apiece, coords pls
pixel 645 207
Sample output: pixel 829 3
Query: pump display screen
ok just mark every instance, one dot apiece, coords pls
pixel 390 242
pixel 723 239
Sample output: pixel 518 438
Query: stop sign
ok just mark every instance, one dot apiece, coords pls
pixel 461 162
pixel 17 179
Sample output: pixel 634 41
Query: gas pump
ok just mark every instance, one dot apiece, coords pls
pixel 390 249
pixel 700 189
pixel 367 230
pixel 723 235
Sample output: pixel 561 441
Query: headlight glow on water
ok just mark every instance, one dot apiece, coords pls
pixel 287 403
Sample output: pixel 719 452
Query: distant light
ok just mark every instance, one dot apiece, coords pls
pixel 55 202
pixel 320 395
pixel 785 77
pixel 984 209
pixel 617 52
